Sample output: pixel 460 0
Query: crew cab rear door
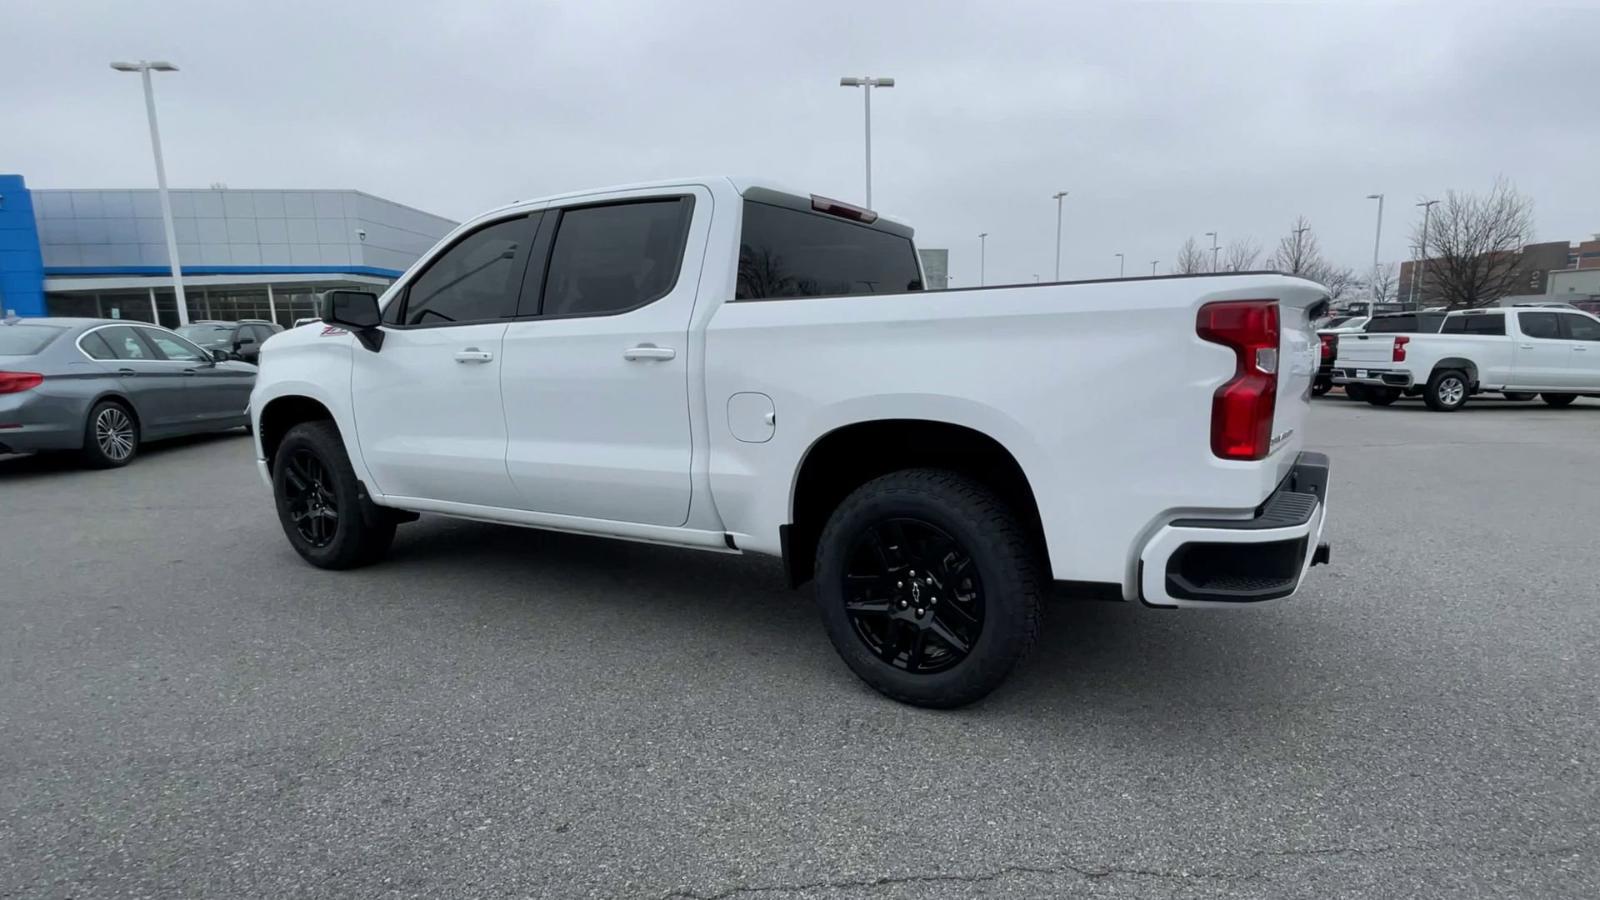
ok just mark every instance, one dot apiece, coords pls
pixel 597 363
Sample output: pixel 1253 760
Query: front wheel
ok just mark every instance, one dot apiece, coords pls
pixel 1558 400
pixel 930 587
pixel 1446 391
pixel 320 503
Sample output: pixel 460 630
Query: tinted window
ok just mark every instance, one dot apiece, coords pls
pixel 1539 325
pixel 124 343
pixel 1392 324
pixel 96 346
pixel 261 332
pixel 608 259
pixel 26 340
pixel 1581 328
pixel 1429 322
pixel 173 347
pixel 474 281
pixel 1489 324
pixel 788 253
pixel 220 336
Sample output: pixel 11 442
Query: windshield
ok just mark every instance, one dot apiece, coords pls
pixel 26 340
pixel 208 335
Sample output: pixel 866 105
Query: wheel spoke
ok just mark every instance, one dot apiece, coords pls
pixel 872 609
pixel 914 655
pixel 950 638
pixel 967 619
pixel 891 643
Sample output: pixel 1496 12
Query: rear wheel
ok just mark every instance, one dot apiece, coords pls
pixel 1446 391
pixel 320 503
pixel 929 586
pixel 1518 396
pixel 1321 385
pixel 1558 400
pixel 1355 391
pixel 110 437
pixel 1382 396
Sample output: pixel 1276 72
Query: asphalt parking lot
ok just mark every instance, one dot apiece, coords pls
pixel 188 710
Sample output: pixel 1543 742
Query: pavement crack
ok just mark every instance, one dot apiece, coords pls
pixel 1090 872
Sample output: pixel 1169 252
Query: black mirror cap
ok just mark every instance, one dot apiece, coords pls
pixel 220 356
pixel 356 310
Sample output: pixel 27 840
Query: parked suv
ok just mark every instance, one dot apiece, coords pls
pixel 242 340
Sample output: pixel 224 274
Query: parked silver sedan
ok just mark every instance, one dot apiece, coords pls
pixel 102 387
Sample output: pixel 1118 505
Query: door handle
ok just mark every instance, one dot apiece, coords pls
pixel 1580 349
pixel 648 351
pixel 473 355
pixel 1524 346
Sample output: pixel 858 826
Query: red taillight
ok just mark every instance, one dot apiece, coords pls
pixel 16 382
pixel 1400 348
pixel 1327 346
pixel 1241 410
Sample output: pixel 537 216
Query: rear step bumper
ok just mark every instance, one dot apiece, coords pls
pixel 1230 562
pixel 1376 377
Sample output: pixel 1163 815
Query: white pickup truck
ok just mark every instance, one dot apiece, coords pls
pixel 723 365
pixel 1517 351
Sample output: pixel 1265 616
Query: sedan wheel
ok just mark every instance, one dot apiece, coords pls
pixel 111 437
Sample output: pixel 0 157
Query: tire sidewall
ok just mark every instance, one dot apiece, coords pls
pixel 1000 645
pixel 92 453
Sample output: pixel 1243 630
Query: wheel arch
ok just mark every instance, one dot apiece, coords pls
pixel 1456 362
pixel 846 457
pixel 283 413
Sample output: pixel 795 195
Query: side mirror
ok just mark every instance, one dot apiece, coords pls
pixel 220 356
pixel 357 311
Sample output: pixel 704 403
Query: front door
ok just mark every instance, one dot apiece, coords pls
pixel 1583 342
pixel 214 393
pixel 597 379
pixel 428 400
pixel 155 385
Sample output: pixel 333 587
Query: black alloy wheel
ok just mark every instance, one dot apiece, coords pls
pixel 313 505
pixel 913 595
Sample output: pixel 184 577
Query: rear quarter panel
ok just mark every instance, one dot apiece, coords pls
pixel 1102 392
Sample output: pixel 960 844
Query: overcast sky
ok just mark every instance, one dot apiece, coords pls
pixel 1162 119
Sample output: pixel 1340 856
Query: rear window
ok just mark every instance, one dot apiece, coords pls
pixel 1539 325
pixel 26 340
pixel 789 253
pixel 1494 323
pixel 1392 324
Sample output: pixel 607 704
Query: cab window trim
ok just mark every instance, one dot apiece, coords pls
pixel 403 297
pixel 555 215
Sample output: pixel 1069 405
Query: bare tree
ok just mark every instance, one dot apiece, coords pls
pixel 1242 255
pixel 1299 253
pixel 1474 244
pixel 1386 282
pixel 1192 259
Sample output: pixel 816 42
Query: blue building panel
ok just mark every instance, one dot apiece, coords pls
pixel 21 265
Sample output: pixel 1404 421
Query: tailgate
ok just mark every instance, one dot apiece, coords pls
pixel 1299 356
pixel 1365 348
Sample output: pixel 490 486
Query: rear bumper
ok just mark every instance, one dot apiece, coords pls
pixel 1399 378
pixel 1232 562
pixel 36 420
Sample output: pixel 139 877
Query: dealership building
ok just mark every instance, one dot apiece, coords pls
pixel 245 254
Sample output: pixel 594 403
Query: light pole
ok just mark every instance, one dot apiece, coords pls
pixel 1059 196
pixel 144 68
pixel 1422 254
pixel 867 84
pixel 983 256
pixel 1377 240
pixel 1213 236
pixel 1153 265
pixel 1122 263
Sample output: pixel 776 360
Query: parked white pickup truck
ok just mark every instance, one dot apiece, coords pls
pixel 1516 351
pixel 722 365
